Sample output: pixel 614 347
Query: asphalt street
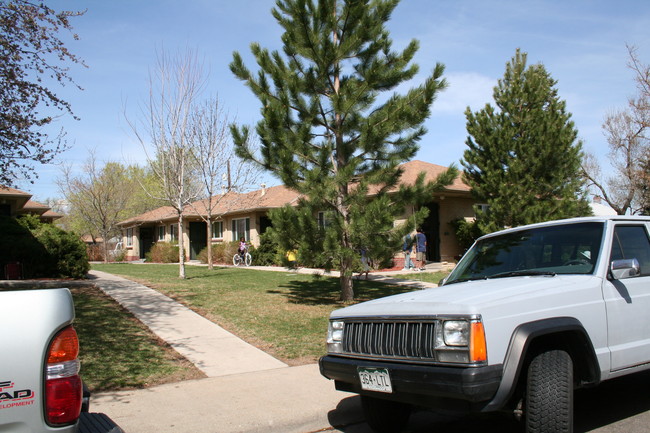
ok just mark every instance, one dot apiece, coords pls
pixel 617 406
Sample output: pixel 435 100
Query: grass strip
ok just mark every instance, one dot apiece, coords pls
pixel 118 351
pixel 283 313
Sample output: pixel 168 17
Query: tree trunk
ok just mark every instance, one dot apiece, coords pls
pixel 105 248
pixel 210 266
pixel 181 249
pixel 347 261
pixel 347 291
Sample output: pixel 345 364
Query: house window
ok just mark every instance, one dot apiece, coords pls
pixel 482 207
pixel 217 230
pixel 161 233
pixel 129 237
pixel 324 219
pixel 172 233
pixel 241 228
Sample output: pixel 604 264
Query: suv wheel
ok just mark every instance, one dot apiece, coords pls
pixel 548 404
pixel 385 416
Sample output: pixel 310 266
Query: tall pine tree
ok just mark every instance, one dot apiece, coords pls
pixel 329 133
pixel 523 158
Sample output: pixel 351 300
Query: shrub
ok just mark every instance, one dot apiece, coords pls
pixel 268 253
pixel 44 249
pixel 223 252
pixel 67 250
pixel 466 232
pixel 119 256
pixel 18 244
pixel 95 252
pixel 163 252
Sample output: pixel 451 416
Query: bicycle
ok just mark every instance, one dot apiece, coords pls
pixel 237 259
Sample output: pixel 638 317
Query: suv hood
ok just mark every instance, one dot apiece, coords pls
pixel 473 297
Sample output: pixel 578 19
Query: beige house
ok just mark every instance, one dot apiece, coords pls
pixel 246 215
pixel 236 215
pixel 14 203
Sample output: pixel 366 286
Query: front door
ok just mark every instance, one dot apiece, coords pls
pixel 431 229
pixel 146 240
pixel 198 238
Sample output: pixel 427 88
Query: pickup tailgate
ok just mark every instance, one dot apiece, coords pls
pixel 30 319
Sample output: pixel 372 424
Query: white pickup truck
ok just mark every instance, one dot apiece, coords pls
pixel 40 387
pixel 527 316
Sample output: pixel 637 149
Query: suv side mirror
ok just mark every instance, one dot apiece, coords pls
pixel 626 268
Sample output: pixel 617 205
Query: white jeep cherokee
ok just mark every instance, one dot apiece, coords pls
pixel 527 316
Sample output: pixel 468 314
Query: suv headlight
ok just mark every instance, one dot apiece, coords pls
pixel 461 341
pixel 335 336
pixel 456 332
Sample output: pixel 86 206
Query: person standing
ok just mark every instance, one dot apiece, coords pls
pixel 407 247
pixel 420 248
pixel 365 262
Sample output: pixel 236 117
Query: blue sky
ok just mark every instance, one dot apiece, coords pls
pixel 580 42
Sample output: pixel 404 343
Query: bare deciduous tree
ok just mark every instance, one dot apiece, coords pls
pixel 221 171
pixel 98 197
pixel 174 88
pixel 31 53
pixel 629 148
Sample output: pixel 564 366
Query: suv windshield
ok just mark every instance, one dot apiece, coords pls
pixel 560 249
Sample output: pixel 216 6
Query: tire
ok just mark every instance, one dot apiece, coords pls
pixel 385 416
pixel 248 259
pixel 548 402
pixel 236 260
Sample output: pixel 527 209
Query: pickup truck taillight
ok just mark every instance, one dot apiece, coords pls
pixel 63 387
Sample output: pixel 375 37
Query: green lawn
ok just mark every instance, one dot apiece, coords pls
pixel 282 313
pixel 118 351
pixel 427 277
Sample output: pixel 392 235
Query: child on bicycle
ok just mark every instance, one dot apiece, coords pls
pixel 243 247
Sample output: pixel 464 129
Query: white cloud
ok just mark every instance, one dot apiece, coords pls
pixel 465 89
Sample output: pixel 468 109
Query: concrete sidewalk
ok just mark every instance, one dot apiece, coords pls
pixel 285 400
pixel 213 350
pixel 247 390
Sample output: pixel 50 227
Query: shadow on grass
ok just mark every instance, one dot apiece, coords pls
pixel 327 291
pixel 116 350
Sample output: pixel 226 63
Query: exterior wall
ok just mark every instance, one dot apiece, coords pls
pixel 254 228
pixel 452 208
pixel 133 251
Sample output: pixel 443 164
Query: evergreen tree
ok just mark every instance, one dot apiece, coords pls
pixel 523 157
pixel 328 133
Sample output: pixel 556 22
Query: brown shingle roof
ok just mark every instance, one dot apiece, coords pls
pixel 413 168
pixel 160 214
pixel 27 206
pixel 267 198
pixel 34 206
pixel 5 190
pixel 278 196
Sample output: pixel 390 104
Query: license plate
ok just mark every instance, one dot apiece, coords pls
pixel 375 379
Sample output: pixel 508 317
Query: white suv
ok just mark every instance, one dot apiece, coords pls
pixel 527 316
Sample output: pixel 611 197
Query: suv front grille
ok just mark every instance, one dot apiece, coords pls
pixel 401 339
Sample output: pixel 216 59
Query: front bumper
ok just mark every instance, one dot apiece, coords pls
pixel 453 388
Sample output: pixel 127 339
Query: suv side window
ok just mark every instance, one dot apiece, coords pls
pixel 631 242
